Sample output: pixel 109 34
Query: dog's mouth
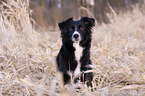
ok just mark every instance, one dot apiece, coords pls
pixel 76 39
pixel 76 36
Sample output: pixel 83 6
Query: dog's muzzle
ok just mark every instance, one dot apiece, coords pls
pixel 76 36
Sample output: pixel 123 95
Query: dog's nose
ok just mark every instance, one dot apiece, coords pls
pixel 76 36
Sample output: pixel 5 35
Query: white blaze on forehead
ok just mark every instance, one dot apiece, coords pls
pixel 78 54
pixel 76 32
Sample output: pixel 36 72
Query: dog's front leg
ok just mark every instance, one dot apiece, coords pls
pixel 88 77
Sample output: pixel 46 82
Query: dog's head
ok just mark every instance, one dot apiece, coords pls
pixel 76 31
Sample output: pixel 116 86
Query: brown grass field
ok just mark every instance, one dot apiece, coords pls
pixel 27 57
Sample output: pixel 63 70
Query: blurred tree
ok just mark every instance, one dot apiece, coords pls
pixel 47 13
pixel 99 10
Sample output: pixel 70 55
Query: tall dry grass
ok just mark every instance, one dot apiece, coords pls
pixel 27 57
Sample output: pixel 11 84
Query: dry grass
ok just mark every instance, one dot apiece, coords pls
pixel 27 57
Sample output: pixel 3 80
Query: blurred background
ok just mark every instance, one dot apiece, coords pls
pixel 47 13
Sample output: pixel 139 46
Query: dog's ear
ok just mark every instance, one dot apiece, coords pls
pixel 90 22
pixel 64 23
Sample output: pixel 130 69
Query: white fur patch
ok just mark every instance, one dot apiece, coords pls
pixel 78 54
pixel 76 32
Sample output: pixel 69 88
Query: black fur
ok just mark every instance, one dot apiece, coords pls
pixel 66 57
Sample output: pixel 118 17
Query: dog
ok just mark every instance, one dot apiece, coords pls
pixel 73 59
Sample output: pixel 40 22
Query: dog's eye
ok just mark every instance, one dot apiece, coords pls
pixel 81 28
pixel 71 29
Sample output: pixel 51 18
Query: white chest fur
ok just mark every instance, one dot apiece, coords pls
pixel 78 55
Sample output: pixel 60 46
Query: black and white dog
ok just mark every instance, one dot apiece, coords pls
pixel 73 59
